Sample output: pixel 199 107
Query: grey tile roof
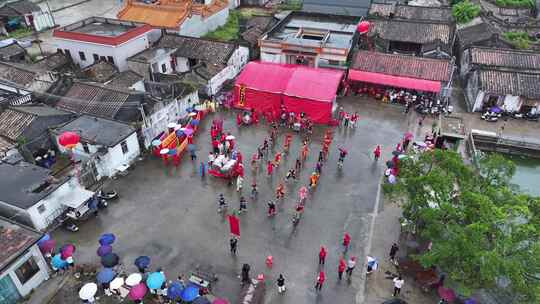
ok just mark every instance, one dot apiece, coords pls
pixel 13 123
pixel 8 51
pixel 337 7
pixel 19 183
pixel 100 72
pixel 149 54
pixel 18 8
pixel 411 12
pixel 470 35
pixel 515 83
pixel 124 79
pixel 93 99
pixel 256 27
pixel 169 87
pixel 506 58
pixel 402 65
pixel 97 130
pixel 14 240
pixel 5 145
pixel 412 31
pixel 53 62
pixel 17 75
pixel 210 51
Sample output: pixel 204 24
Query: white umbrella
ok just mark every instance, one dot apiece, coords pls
pixel 171 125
pixel 177 127
pixel 192 114
pixel 164 151
pixel 229 137
pixel 116 283
pixel 133 279
pixel 88 291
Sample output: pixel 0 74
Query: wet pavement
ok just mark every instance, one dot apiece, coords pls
pixel 170 214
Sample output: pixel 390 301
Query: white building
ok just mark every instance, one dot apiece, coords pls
pixel 206 62
pixel 110 145
pixel 32 197
pixel 171 100
pixel 22 266
pixel 97 38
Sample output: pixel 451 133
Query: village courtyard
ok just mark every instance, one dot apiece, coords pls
pixel 170 214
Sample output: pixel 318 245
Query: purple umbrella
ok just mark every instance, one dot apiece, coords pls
pixel 179 133
pixel 47 246
pixel 194 122
pixel 187 131
pixel 495 109
pixel 104 249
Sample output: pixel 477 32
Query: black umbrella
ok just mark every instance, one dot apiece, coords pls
pixel 390 164
pixel 201 300
pixel 396 153
pixel 110 260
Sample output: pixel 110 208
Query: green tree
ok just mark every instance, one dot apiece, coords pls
pixel 482 231
pixel 465 11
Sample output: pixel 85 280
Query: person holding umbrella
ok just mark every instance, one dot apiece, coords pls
pixel 142 263
pixel 320 281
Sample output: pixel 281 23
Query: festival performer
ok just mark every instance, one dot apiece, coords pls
pixel 291 174
pixel 302 193
pixel 298 165
pixel 271 208
pixel 277 159
pixel 354 119
pixel 238 119
pixel 377 152
pixel 313 179
pixel 269 168
pixel 287 143
pixel 280 191
pixel 304 152
pixel 342 154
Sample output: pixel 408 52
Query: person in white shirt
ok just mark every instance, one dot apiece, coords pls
pixel 398 283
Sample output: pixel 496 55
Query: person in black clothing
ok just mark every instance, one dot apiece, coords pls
pixel 281 283
pixel 234 245
pixel 245 273
pixel 393 250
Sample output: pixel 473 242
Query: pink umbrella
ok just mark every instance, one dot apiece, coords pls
pixel 187 131
pixel 47 246
pixel 220 301
pixel 137 292
pixel 408 136
pixel 66 251
pixel 446 294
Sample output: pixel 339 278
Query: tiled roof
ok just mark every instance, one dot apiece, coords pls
pixel 155 15
pixel 412 31
pixel 510 83
pixel 402 65
pixel 337 7
pixel 16 75
pixel 506 58
pixel 11 50
pixel 124 80
pixel 210 51
pixel 101 131
pixel 100 72
pixel 256 27
pixel 18 8
pixel 13 123
pixel 5 145
pixel 93 99
pixel 14 239
pixel 53 62
pixel 473 34
pixel 411 12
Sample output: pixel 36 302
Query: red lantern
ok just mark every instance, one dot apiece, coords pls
pixel 363 27
pixel 69 139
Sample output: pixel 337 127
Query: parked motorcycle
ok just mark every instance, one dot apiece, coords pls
pixel 107 195
pixel 70 226
pixel 490 116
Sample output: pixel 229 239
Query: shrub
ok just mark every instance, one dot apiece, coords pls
pixel 465 11
pixel 520 40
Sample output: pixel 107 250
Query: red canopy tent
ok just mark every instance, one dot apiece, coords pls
pixel 265 86
pixel 396 81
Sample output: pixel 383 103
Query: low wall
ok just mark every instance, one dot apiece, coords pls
pixel 495 143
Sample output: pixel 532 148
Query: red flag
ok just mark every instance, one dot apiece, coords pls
pixel 234 224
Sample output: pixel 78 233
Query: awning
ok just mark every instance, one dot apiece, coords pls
pixel 395 81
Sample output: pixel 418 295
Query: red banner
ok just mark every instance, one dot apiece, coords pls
pixel 234 224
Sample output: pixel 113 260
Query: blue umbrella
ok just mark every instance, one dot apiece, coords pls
pixel 156 142
pixel 189 293
pixel 194 122
pixel 190 109
pixel 107 239
pixel 103 250
pixel 142 262
pixel 44 238
pixel 201 300
pixel 105 275
pixel 155 280
pixel 179 133
pixel 174 291
pixel 57 262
